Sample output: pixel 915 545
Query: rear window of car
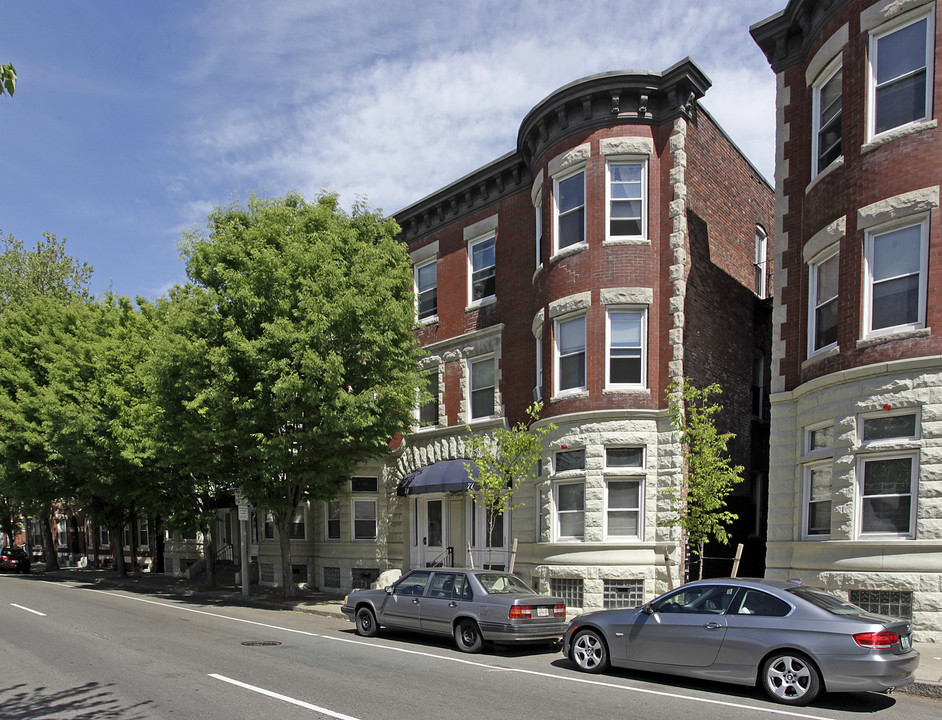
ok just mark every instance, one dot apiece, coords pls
pixel 826 601
pixel 497 584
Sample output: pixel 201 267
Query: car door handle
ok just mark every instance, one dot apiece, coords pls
pixel 452 604
pixel 712 626
pixel 415 601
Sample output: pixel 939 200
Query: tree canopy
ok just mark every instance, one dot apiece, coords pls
pixel 708 476
pixel 303 334
pixel 7 79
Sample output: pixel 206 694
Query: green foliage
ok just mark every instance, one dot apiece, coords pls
pixel 299 317
pixel 503 459
pixel 708 478
pixel 46 271
pixel 7 79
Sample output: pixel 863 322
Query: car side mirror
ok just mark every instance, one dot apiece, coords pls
pixel 648 609
pixel 388 589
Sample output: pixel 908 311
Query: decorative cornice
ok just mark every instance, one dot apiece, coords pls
pixel 786 37
pixel 627 97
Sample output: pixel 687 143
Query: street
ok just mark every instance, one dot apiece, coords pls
pixel 74 650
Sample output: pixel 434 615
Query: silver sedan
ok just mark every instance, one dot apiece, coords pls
pixel 473 606
pixel 792 640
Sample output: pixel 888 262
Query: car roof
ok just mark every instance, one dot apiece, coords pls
pixel 758 583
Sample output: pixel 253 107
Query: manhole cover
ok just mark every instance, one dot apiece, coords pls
pixel 261 643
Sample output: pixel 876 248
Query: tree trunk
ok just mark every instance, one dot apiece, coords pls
pixel 132 531
pixel 209 554
pixel 45 526
pixel 158 563
pixel 117 549
pixel 284 541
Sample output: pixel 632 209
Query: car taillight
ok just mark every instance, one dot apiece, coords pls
pixel 559 611
pixel 520 612
pixel 877 640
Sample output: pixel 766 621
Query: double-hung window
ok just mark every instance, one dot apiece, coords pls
pixel 426 289
pixel 333 519
pixel 481 258
pixel 482 383
pixel 761 262
pixel 570 209
pixel 570 354
pixel 626 199
pixel 364 509
pixel 626 348
pixel 827 102
pixel 887 494
pixel 624 467
pixel 901 75
pixel 570 510
pixel 822 307
pixel 428 410
pixel 818 500
pixel 298 526
pixel 896 278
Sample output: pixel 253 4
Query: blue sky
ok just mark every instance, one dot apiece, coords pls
pixel 132 119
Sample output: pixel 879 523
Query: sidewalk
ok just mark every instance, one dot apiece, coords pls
pixel 928 674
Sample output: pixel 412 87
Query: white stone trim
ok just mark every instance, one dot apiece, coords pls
pixel 885 10
pixel 423 253
pixel 898 206
pixel 481 227
pixel 569 159
pixel 627 296
pixel 824 238
pixel 536 191
pixel 626 146
pixel 536 327
pixel 570 303
pixel 832 47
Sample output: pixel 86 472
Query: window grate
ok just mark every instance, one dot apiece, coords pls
pixel 363 579
pixel 895 603
pixel 332 577
pixel 569 589
pixel 622 593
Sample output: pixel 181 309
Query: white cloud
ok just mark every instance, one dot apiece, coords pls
pixel 395 100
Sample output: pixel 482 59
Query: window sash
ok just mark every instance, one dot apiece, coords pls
pixel 333 520
pixel 482 383
pixel 570 354
pixel 570 210
pixel 483 269
pixel 828 100
pixel 570 460
pixel 900 66
pixel 886 495
pixel 570 510
pixel 364 519
pixel 623 514
pixel 626 199
pixel 896 277
pixel 428 412
pixel 823 304
pixel 426 285
pixel 626 339
pixel 818 491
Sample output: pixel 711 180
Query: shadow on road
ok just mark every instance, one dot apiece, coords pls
pixel 866 702
pixel 86 702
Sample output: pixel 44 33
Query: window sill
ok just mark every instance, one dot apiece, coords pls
pixel 838 163
pixel 484 302
pixel 634 390
pixel 891 336
pixel 431 320
pixel 566 395
pixel 897 133
pixel 616 241
pixel 821 355
pixel 571 250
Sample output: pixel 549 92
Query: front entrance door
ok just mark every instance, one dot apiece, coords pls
pixel 430 532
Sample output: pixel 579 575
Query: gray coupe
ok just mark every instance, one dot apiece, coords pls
pixel 473 606
pixel 792 640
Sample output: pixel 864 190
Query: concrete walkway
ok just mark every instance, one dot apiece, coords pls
pixel 928 674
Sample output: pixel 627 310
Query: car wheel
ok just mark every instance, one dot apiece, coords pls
pixel 468 636
pixel 790 678
pixel 366 623
pixel 589 652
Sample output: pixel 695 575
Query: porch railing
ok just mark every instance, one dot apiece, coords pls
pixel 445 559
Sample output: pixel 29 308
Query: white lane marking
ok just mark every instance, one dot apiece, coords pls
pixel 277 696
pixel 585 681
pixel 35 612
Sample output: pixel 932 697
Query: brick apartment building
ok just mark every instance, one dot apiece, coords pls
pixel 856 471
pixel 623 243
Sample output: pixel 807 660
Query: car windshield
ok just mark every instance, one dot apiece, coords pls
pixel 15 552
pixel 498 584
pixel 825 601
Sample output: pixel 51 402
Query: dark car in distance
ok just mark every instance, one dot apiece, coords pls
pixel 14 560
pixel 473 606
pixel 791 640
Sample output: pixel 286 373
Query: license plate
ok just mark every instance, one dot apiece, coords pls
pixel 905 642
pixel 542 612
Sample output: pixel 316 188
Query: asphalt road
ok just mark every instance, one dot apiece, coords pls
pixel 79 651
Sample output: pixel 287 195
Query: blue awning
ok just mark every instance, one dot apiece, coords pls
pixel 439 477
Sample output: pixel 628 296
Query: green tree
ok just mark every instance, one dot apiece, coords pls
pixel 46 271
pixel 699 502
pixel 313 366
pixel 503 459
pixel 7 79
